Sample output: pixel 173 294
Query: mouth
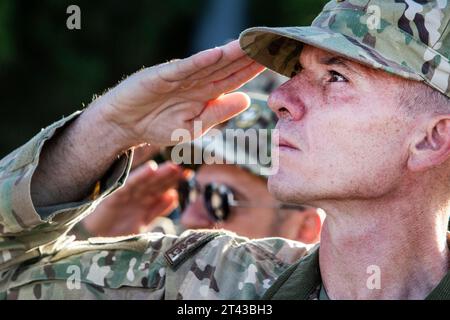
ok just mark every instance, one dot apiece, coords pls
pixel 284 144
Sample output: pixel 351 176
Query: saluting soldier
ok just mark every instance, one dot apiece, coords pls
pixel 364 128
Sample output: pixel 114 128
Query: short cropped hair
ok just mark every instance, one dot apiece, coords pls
pixel 418 98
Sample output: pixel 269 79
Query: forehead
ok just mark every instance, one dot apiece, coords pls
pixel 313 56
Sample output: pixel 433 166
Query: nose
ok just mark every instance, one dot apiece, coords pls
pixel 195 216
pixel 286 101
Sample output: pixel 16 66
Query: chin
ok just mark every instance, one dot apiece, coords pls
pixel 292 189
pixel 282 188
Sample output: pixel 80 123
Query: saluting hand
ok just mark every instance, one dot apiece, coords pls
pixel 149 105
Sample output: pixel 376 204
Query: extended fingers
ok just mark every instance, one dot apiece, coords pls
pixel 164 178
pixel 225 72
pixel 231 53
pixel 224 108
pixel 161 206
pixel 177 70
pixel 202 64
pixel 237 79
pixel 214 89
pixel 140 174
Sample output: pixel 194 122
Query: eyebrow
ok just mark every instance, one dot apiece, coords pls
pixel 338 61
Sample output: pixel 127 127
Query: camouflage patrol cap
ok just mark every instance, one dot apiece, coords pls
pixel 244 140
pixel 407 38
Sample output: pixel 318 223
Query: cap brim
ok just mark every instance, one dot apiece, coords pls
pixel 279 49
pixel 217 151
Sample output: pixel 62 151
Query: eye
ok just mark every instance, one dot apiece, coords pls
pixel 336 77
pixel 237 196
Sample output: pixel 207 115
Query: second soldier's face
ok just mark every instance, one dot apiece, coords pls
pixel 254 222
pixel 342 134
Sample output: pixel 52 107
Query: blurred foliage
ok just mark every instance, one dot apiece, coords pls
pixel 47 71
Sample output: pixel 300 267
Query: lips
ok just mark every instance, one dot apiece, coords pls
pixel 283 143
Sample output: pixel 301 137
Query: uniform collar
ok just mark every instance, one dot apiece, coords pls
pixel 300 280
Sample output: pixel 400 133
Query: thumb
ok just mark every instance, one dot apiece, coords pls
pixel 223 108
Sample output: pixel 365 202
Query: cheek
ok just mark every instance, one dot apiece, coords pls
pixel 249 222
pixel 350 150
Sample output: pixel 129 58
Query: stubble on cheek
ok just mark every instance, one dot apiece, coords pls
pixel 376 156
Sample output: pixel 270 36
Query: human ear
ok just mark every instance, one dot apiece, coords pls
pixel 431 147
pixel 308 226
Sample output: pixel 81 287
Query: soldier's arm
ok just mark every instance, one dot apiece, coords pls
pixel 148 107
pixel 46 185
pixel 27 230
pixel 76 157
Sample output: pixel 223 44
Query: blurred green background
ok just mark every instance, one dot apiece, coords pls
pixel 48 71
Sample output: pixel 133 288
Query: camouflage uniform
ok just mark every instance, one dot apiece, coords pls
pixel 38 260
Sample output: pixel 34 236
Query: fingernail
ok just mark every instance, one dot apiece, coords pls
pixel 187 174
pixel 153 165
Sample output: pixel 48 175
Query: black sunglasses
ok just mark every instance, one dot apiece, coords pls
pixel 219 199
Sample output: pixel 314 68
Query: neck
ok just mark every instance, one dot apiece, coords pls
pixel 384 248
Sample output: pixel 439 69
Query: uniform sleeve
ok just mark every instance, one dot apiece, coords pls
pixel 27 232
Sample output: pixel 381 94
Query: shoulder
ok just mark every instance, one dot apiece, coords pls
pixel 218 264
pixel 225 244
pixel 164 225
